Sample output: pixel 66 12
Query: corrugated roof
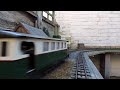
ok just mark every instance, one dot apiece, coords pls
pixel 6 29
pixel 33 30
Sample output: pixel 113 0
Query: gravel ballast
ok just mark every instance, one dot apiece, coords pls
pixel 63 71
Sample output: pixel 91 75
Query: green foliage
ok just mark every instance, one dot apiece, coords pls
pixel 57 36
pixel 45 30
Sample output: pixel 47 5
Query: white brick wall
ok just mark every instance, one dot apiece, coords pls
pixel 94 28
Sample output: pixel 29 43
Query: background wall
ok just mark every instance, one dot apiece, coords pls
pixel 93 28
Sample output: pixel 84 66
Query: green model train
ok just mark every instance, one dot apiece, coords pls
pixel 21 54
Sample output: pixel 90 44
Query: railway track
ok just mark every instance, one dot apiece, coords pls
pixel 80 69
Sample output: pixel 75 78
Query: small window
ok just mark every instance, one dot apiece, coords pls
pixel 49 15
pixel 44 14
pixel 50 18
pixel 53 46
pixel 62 45
pixel 58 45
pixel 51 12
pixel 4 48
pixel 45 46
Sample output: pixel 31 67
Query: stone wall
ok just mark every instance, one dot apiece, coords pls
pixel 9 19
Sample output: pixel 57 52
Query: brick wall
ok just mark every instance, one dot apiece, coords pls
pixel 93 28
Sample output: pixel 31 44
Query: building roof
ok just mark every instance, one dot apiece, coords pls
pixel 6 29
pixel 32 30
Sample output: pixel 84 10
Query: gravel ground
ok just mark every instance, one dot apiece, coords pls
pixel 61 72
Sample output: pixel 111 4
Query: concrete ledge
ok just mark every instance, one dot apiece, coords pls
pixel 92 53
pixel 93 70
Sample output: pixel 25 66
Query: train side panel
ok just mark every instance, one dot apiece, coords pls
pixel 47 59
pixel 15 65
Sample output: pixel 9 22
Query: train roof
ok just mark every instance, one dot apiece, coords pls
pixel 11 34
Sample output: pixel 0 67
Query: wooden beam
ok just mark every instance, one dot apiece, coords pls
pixel 105 65
pixel 32 13
pixel 102 64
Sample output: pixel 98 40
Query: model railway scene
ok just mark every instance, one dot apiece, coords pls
pixel 59 45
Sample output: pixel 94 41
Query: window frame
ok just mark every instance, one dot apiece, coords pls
pixel 52 43
pixel 44 46
pixel 65 45
pixel 58 45
pixel 4 46
pixel 49 14
pixel 61 45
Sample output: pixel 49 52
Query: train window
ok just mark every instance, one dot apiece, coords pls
pixel 53 46
pixel 45 46
pixel 27 47
pixel 58 45
pixel 4 48
pixel 62 45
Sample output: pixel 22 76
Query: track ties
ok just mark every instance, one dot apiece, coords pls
pixel 80 69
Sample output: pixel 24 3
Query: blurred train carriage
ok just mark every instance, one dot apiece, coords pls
pixel 28 49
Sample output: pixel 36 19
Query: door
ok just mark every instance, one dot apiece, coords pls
pixel 31 63
pixel 28 48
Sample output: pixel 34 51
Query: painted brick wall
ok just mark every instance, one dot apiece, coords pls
pixel 93 28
